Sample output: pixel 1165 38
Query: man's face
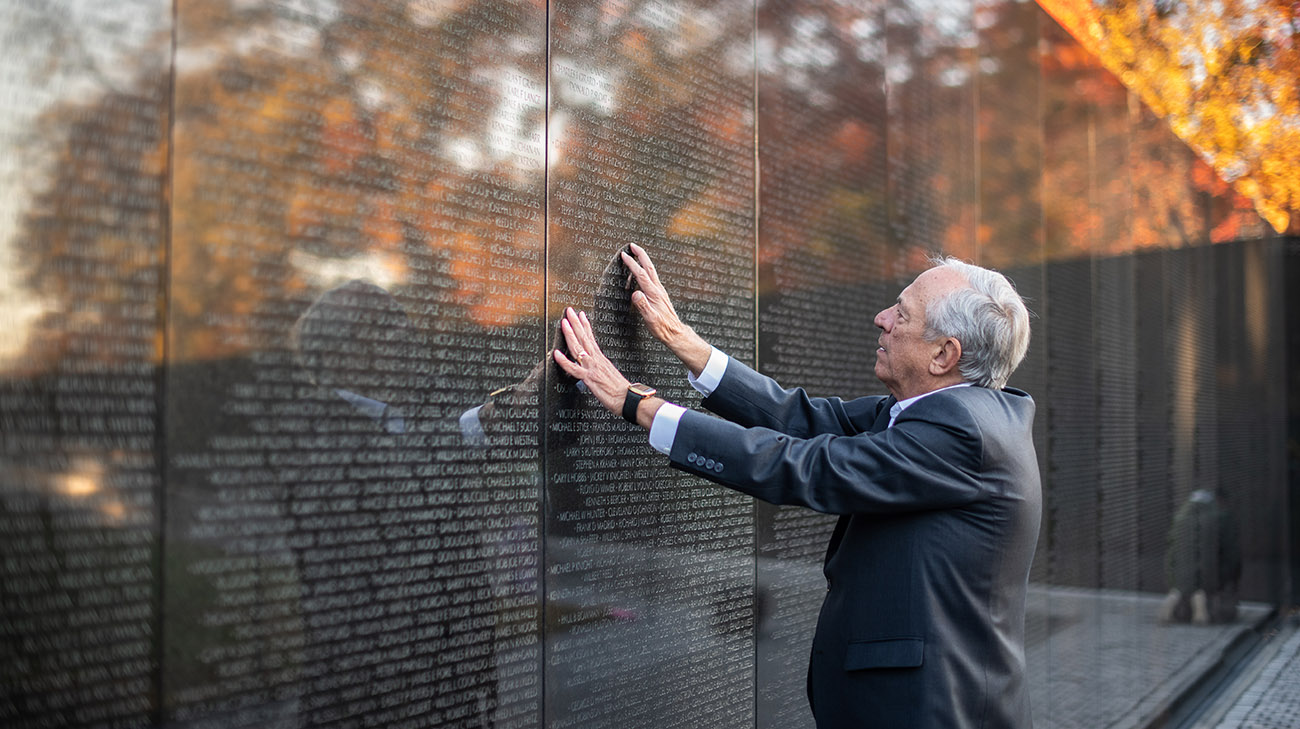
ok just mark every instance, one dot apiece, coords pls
pixel 903 358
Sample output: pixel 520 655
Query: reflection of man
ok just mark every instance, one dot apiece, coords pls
pixel 937 487
pixel 371 423
pixel 357 343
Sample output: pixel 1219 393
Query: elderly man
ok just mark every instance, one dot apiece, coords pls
pixel 936 486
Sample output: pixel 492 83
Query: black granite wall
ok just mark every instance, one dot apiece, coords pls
pixel 281 442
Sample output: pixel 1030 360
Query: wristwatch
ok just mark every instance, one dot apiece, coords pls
pixel 636 392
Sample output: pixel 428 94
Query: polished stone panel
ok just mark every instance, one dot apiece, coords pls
pixel 824 260
pixel 649 573
pixel 83 138
pixel 930 81
pixel 1009 126
pixel 353 524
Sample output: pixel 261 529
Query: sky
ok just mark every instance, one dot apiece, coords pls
pixel 55 50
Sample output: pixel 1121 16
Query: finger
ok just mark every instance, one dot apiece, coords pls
pixel 643 258
pixel 567 365
pixel 577 326
pixel 636 268
pixel 589 334
pixel 583 343
pixel 574 321
pixel 641 302
pixel 572 340
pixel 579 365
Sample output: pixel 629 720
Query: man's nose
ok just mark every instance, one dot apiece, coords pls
pixel 880 318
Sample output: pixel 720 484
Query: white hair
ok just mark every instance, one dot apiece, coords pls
pixel 989 319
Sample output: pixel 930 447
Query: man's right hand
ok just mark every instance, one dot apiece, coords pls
pixel 661 319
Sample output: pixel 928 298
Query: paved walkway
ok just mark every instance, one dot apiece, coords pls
pixel 1095 659
pixel 1267 694
pixel 1100 659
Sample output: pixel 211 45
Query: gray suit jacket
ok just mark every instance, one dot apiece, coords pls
pixel 923 621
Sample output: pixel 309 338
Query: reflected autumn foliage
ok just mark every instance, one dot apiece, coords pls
pixel 1009 133
pixel 388 141
pixel 651 134
pixel 90 243
pixel 400 142
pixel 822 146
pixel 405 143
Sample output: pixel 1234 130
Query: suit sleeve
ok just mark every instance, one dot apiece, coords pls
pixel 750 399
pixel 930 460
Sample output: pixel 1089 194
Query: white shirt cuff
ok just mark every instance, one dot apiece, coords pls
pixel 712 373
pixel 471 428
pixel 663 431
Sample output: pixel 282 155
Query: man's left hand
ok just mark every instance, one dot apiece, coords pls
pixel 589 364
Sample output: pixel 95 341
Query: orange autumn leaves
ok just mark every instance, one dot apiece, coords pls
pixel 361 152
pixel 384 142
pixel 1222 75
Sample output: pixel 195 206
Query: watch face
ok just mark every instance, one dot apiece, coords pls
pixel 642 390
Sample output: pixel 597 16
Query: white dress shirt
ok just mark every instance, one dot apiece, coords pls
pixel 663 431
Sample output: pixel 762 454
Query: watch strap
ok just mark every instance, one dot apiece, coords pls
pixel 631 402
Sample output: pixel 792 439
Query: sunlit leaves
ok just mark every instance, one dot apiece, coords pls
pixel 1222 74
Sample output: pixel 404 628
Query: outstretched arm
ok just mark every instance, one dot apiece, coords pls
pixel 932 462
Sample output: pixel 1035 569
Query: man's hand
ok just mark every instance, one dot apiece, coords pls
pixel 661 319
pixel 590 365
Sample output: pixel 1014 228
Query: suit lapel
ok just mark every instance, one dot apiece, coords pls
pixel 882 415
pixel 841 526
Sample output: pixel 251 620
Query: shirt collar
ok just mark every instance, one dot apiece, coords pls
pixel 898 407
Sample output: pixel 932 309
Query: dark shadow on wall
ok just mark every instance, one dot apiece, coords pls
pixel 1292 304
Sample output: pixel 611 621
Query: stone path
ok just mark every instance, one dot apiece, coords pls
pixel 1100 659
pixel 1271 699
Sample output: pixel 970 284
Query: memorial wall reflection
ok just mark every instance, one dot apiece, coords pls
pixel 281 442
pixel 649 575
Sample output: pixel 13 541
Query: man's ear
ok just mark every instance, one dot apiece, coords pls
pixel 946 358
